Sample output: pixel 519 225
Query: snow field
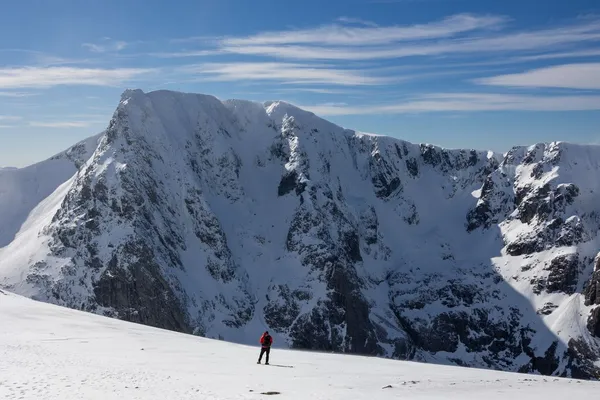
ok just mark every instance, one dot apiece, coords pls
pixel 54 353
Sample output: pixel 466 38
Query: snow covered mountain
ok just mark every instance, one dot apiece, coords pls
pixel 223 219
pixel 23 189
pixel 52 353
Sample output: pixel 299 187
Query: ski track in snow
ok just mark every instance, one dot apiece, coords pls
pixel 53 353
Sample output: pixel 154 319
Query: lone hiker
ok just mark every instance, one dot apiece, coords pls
pixel 266 341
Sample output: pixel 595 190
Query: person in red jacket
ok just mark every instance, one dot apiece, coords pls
pixel 266 341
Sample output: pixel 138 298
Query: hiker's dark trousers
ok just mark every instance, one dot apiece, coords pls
pixel 264 350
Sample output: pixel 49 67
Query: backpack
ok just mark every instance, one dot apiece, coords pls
pixel 267 341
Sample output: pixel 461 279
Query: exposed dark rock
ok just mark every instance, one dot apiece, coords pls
pixel 533 154
pixel 398 151
pixel 593 323
pixel 549 363
pixel 404 349
pixel 537 171
pixel 521 193
pixel 448 329
pixel 351 246
pixel 281 312
pixel 547 309
pixel 312 331
pixel 542 202
pixel 387 188
pixel 536 204
pixel 564 271
pixel 565 195
pixel 473 158
pixel 278 151
pixel 288 183
pixel 443 335
pixel 383 177
pixel 139 293
pixel 478 217
pixel 521 247
pixel 347 303
pixel 538 285
pixel 431 155
pixel 413 216
pixel 571 233
pixel 563 276
pixel 370 226
pixel 495 202
pixel 592 289
pixel 412 166
pixel 555 233
pixel 580 358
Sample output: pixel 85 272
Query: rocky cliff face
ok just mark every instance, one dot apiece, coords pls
pixel 224 219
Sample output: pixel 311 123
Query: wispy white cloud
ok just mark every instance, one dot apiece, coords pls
pixel 106 109
pixel 572 76
pixel 465 102
pixel 284 72
pixel 42 59
pixel 10 118
pixel 348 55
pixel 42 77
pixel 358 21
pixel 107 45
pixel 92 118
pixel 318 90
pixel 354 40
pixel 80 120
pixel 7 126
pixel 47 60
pixel 371 35
pixel 522 42
pixel 194 39
pixel 404 1
pixel 454 35
pixel 304 75
pixel 59 124
pixel 17 94
pixel 187 53
pixel 552 56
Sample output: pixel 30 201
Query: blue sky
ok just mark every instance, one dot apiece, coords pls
pixel 480 74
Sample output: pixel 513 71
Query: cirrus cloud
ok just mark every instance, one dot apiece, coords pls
pixel 464 102
pixel 45 77
pixel 59 124
pixel 10 118
pixel 288 73
pixel 571 76
pixel 370 35
pixel 457 35
pixel 107 45
pixel 16 94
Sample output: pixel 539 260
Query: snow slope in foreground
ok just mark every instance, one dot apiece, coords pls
pixel 49 352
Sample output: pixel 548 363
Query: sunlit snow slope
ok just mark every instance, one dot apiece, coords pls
pixel 21 189
pixel 53 353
